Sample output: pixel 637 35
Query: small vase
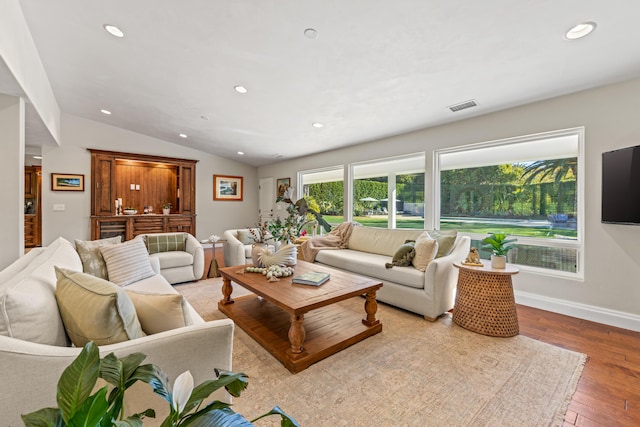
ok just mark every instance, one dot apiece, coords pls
pixel 166 211
pixel 498 261
pixel 255 253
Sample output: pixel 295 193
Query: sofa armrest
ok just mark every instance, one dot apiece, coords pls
pixel 233 249
pixel 194 247
pixel 31 371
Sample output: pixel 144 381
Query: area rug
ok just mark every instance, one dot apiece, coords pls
pixel 413 373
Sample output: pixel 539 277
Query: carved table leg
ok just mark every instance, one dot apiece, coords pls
pixel 297 333
pixel 371 307
pixel 226 291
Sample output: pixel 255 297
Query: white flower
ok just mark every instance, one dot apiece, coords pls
pixel 182 388
pixel 288 194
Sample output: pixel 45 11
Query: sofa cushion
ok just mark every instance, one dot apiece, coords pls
pixel 426 250
pixel 173 259
pixel 165 242
pixel 249 236
pixel 92 260
pixel 381 241
pixel 446 240
pixel 403 255
pixel 94 309
pixel 28 308
pixel 160 312
pixel 127 262
pixel 371 265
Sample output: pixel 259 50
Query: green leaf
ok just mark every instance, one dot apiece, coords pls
pixel 92 411
pixel 233 382
pixel 77 381
pixel 45 417
pixel 156 378
pixel 286 420
pixel 218 418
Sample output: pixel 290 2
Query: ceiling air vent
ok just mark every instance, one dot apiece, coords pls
pixel 463 105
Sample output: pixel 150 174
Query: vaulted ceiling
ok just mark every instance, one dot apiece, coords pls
pixel 372 69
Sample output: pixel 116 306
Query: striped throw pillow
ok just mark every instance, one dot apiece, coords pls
pixel 165 242
pixel 127 262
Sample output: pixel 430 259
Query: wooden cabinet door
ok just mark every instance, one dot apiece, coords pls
pixel 187 189
pixel 30 183
pixel 180 224
pixel 103 185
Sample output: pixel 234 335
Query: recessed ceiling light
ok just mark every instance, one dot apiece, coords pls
pixel 113 30
pixel 317 125
pixel 204 117
pixel 240 153
pixel 182 135
pixel 240 89
pixel 310 33
pixel 107 112
pixel 37 157
pixel 580 30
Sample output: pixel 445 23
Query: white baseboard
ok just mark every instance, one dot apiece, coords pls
pixel 593 313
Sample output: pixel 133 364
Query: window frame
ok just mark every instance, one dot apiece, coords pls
pixel 577 244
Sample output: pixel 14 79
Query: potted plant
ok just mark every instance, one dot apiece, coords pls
pixel 105 408
pixel 166 208
pixel 499 245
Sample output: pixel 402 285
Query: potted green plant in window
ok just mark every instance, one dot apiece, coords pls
pixel 499 245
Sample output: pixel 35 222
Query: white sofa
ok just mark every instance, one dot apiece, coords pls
pixel 430 293
pixel 236 251
pixel 180 266
pixel 34 348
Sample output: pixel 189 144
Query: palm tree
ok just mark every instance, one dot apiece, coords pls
pixel 555 169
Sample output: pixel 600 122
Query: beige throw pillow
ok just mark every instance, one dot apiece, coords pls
pixel 92 260
pixel 93 309
pixel 426 249
pixel 160 312
pixel 445 239
pixel 127 262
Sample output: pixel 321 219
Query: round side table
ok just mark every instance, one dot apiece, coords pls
pixel 484 300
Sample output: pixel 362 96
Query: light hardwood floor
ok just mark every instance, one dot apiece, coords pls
pixel 608 393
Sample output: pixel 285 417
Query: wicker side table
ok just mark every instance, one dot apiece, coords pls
pixel 484 300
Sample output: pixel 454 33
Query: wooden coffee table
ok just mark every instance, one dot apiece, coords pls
pixel 301 324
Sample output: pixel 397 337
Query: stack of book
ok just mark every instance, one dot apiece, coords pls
pixel 313 278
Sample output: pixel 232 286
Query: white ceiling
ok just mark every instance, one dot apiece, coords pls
pixel 377 68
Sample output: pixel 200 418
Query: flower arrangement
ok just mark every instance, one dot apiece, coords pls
pixel 167 205
pixel 77 406
pixel 299 214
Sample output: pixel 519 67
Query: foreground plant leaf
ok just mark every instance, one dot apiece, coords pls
pixel 45 417
pixel 77 381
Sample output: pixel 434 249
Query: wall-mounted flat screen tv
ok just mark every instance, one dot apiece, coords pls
pixel 621 186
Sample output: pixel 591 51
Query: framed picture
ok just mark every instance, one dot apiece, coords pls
pixel 227 187
pixel 67 182
pixel 281 185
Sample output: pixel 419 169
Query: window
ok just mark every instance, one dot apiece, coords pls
pixel 389 193
pixel 529 187
pixel 324 191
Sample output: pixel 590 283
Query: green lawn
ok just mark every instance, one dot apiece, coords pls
pixel 536 230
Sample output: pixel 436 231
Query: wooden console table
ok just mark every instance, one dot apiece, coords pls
pixel 484 300
pixel 129 226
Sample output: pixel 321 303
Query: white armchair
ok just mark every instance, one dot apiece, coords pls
pixel 180 266
pixel 237 250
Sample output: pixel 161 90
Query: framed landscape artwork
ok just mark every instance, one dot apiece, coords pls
pixel 281 185
pixel 67 182
pixel 227 188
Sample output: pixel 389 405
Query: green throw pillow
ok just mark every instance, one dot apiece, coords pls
pixel 445 240
pixel 404 255
pixel 165 242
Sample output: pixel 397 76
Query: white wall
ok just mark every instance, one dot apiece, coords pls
pixel 12 178
pixel 611 290
pixel 72 156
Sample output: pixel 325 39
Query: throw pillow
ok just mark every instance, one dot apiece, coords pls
pixel 249 236
pixel 165 242
pixel 445 239
pixel 160 312
pixel 404 255
pixel 426 250
pixel 93 309
pixel 92 260
pixel 127 262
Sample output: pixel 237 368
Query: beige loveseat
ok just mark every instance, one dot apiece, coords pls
pixel 430 293
pixel 178 266
pixel 34 348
